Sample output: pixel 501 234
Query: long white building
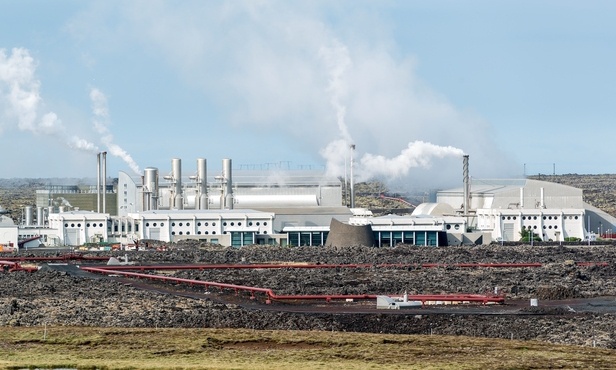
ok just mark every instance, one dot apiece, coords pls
pixel 296 208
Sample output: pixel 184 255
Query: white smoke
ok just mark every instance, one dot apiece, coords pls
pixel 338 152
pixel 20 97
pixel 417 154
pixel 101 125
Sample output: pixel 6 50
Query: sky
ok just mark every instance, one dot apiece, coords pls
pixel 522 87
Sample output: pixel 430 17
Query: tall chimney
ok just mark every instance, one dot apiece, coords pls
pixel 202 197
pixel 176 173
pixel 98 182
pixel 227 184
pixel 352 179
pixel 467 183
pixel 104 182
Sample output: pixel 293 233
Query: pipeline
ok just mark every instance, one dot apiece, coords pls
pixel 273 296
pixel 314 266
pixel 64 258
pixel 11 266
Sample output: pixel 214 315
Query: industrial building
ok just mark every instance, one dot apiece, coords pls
pixel 293 208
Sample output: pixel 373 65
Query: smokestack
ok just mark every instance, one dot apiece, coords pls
pixel 352 179
pixel 202 197
pixel 542 204
pixel 150 189
pixel 227 184
pixel 176 173
pixel 104 182
pixel 467 184
pixel 40 216
pixel 521 197
pixel 98 182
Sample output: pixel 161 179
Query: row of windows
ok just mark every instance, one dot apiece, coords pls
pixel 147 224
pixel 206 232
pixel 535 217
pixel 87 225
pixel 545 227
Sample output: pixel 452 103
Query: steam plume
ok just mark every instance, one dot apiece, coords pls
pixel 101 125
pixel 417 153
pixel 20 98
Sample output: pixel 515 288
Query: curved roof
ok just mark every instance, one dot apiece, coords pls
pixel 433 209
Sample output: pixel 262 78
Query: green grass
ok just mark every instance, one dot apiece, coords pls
pixel 114 348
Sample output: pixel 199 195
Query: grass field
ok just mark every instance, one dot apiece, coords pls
pixel 116 348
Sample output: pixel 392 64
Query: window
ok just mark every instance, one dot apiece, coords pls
pixel 162 224
pixel 173 224
pixel 188 224
pixel 147 224
pixel 154 224
pixel 224 223
pixel 265 223
pixel 180 224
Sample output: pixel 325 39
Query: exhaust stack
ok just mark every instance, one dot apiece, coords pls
pixel 150 189
pixel 467 184
pixel 227 185
pixel 176 173
pixel 104 182
pixel 201 197
pixel 98 182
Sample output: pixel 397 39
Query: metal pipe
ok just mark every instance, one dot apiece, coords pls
pixel 327 297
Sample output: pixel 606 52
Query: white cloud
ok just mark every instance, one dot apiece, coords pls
pixel 290 67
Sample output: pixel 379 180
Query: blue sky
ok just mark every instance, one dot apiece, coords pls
pixel 291 84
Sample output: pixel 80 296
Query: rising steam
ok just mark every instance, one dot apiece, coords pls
pixel 20 99
pixel 101 125
pixel 338 152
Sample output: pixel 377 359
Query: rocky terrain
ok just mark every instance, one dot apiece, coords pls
pixel 61 298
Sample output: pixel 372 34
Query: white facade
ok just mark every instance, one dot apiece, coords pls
pixel 216 226
pixel 75 228
pixel 548 224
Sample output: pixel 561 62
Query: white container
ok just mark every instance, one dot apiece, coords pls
pixel 534 302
